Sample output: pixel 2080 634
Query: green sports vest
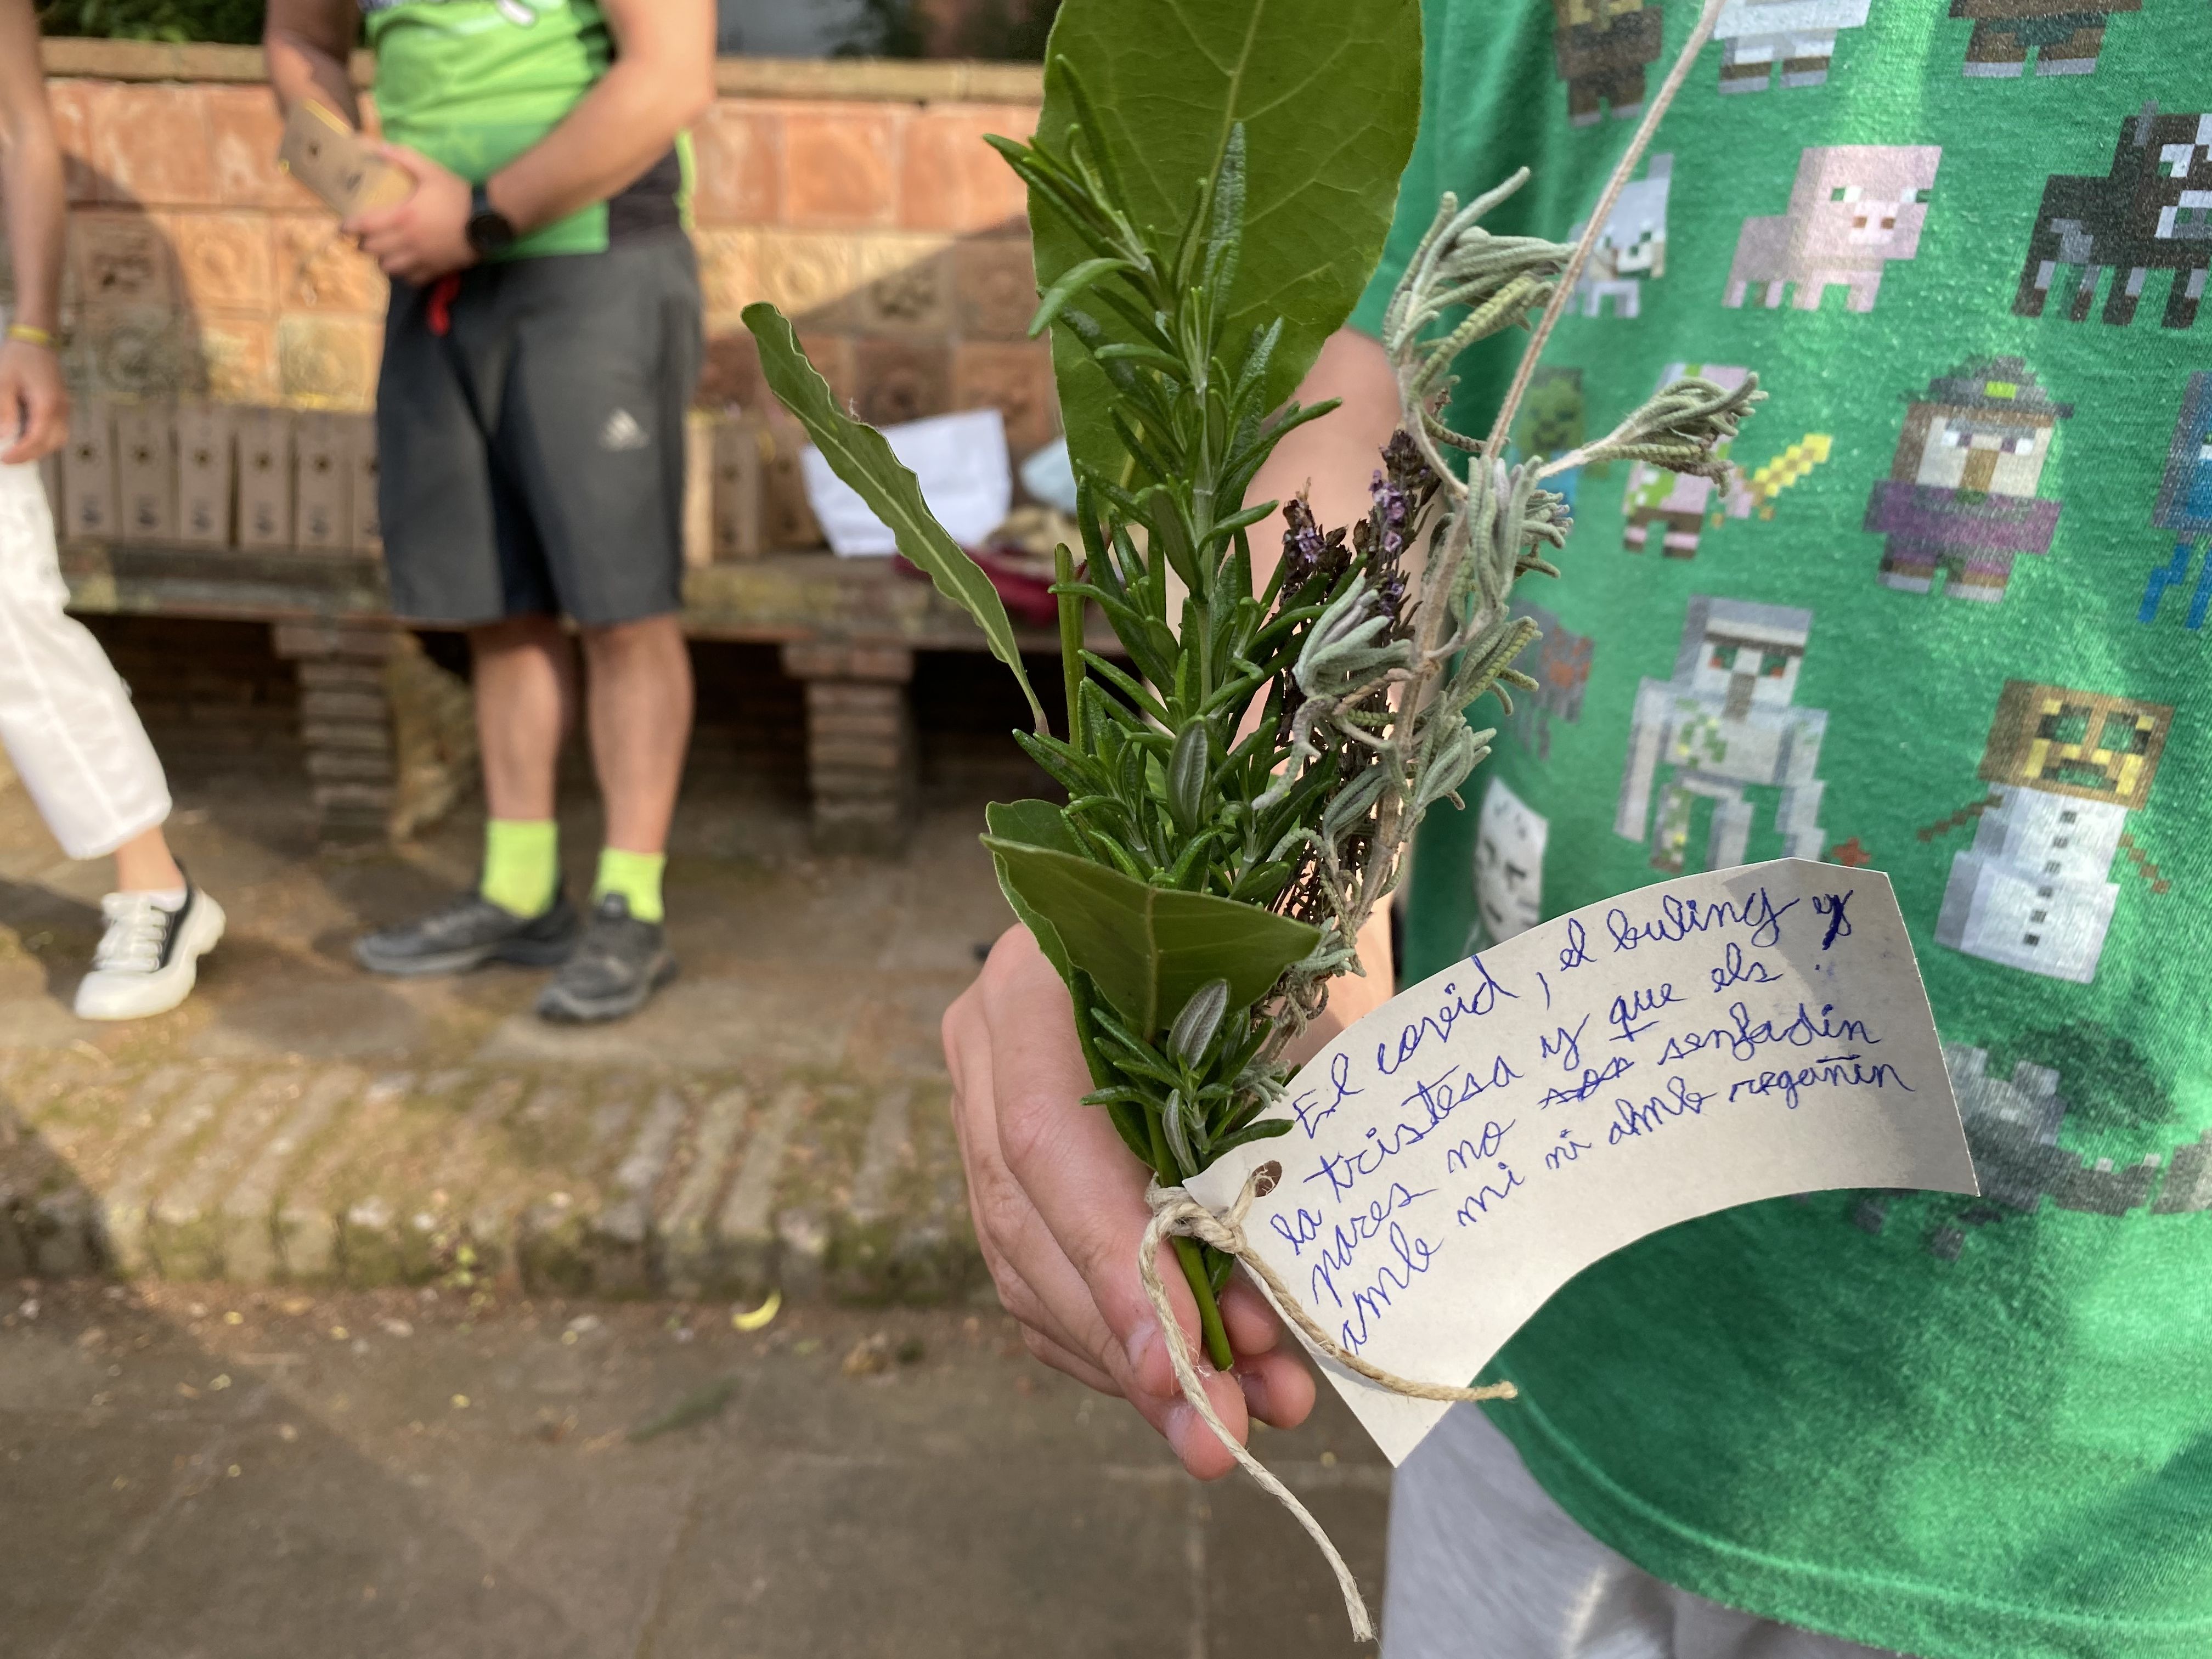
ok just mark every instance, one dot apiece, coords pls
pixel 473 83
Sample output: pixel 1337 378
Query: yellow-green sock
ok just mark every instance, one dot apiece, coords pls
pixel 521 865
pixel 636 877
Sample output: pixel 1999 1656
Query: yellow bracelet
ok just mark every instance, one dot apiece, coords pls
pixel 30 336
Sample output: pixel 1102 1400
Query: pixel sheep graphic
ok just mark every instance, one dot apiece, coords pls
pixel 1854 209
pixel 1798 34
pixel 2153 211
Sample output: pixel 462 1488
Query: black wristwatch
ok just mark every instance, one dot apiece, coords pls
pixel 490 232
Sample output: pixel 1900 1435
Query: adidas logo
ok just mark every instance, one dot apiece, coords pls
pixel 622 432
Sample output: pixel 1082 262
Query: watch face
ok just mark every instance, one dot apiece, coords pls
pixel 489 232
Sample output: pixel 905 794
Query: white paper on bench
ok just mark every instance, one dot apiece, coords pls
pixel 1465 1149
pixel 961 463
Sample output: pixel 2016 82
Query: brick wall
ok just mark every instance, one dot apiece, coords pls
pixel 859 198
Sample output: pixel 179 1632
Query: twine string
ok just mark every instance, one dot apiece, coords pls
pixel 1176 1213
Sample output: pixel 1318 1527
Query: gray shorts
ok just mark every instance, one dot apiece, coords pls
pixel 530 455
pixel 1484 1565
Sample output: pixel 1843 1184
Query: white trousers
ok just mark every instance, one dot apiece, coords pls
pixel 65 716
pixel 1484 1565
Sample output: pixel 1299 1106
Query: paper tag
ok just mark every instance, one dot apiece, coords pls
pixel 1468 1148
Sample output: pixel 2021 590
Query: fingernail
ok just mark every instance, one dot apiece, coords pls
pixel 1181 1420
pixel 1141 1343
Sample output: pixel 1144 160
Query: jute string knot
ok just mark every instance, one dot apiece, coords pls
pixel 1176 1213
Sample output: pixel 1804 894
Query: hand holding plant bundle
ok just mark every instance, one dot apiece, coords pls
pixel 1241 793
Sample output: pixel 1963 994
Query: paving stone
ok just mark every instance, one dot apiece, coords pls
pixel 251 1222
pixel 748 1245
pixel 183 1229
pixel 191 1103
pixel 687 1237
pixel 623 1234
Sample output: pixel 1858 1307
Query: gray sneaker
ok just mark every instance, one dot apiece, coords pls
pixel 620 963
pixel 468 933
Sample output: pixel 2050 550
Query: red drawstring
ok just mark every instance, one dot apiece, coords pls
pixel 443 292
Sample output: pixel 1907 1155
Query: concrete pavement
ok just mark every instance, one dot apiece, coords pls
pixel 190 1471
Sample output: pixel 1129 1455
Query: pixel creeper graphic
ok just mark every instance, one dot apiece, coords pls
pixel 1726 721
pixel 2153 211
pixel 1959 502
pixel 1602 48
pixel 2064 768
pixel 1800 36
pixel 2066 35
pixel 1676 503
pixel 1633 245
pixel 1853 209
pixel 2185 506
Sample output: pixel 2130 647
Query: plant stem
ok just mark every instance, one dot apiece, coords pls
pixel 1192 1258
pixel 1191 1254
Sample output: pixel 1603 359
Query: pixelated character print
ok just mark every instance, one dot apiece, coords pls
pixel 1631 246
pixel 2185 507
pixel 1602 48
pixel 1960 503
pixel 2153 211
pixel 1798 35
pixel 1676 504
pixel 2064 769
pixel 1508 863
pixel 1854 209
pixel 2085 1076
pixel 1559 660
pixel 1725 723
pixel 1552 423
pixel 2065 35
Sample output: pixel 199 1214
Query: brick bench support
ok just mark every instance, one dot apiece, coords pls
pixel 859 743
pixel 345 724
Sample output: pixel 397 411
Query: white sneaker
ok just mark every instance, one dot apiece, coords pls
pixel 149 957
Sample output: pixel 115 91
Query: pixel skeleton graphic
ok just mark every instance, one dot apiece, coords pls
pixel 2152 212
pixel 1960 503
pixel 2185 506
pixel 1631 246
pixel 1602 48
pixel 2066 36
pixel 1853 209
pixel 1726 721
pixel 2064 768
pixel 1508 863
pixel 1677 503
pixel 1799 35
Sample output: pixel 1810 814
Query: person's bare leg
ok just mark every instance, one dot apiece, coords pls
pixel 144 864
pixel 526 698
pixel 639 689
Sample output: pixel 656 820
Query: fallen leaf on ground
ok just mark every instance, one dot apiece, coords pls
pixel 699 1405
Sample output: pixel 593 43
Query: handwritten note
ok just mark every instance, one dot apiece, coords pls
pixel 1465 1150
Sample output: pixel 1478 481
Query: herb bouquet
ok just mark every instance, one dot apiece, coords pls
pixel 1242 783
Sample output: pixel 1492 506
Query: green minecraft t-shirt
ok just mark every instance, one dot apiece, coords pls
pixel 473 83
pixel 1947 617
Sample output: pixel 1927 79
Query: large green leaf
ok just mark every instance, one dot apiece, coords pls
pixel 1329 92
pixel 862 457
pixel 1148 948
pixel 1032 823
